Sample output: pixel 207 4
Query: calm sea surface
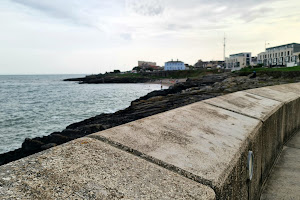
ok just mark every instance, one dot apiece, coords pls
pixel 37 105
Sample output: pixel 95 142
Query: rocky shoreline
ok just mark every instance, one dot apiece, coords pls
pixel 155 102
pixel 96 79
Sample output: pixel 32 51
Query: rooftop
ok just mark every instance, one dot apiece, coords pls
pixel 177 61
pixel 282 46
pixel 240 54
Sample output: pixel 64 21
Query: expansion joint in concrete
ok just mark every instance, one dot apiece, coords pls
pixel 155 161
pixel 264 97
pixel 232 111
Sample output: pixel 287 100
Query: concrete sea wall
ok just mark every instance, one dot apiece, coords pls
pixel 199 151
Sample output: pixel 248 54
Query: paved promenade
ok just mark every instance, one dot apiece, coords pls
pixel 284 181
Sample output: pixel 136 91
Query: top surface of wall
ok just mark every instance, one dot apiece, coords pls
pixel 87 168
pixel 199 139
pixel 277 93
pixel 247 104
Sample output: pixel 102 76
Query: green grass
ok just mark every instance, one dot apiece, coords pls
pixel 261 69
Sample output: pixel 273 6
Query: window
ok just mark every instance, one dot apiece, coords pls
pixel 275 54
pixel 281 53
pixel 288 53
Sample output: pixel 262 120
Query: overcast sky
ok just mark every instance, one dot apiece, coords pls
pixel 93 36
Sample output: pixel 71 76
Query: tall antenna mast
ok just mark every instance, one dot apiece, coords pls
pixel 224 46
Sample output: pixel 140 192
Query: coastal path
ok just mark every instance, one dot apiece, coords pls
pixel 284 180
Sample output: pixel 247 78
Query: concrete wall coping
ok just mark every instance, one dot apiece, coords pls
pixel 247 104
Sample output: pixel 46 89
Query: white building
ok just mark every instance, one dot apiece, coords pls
pixel 238 61
pixel 283 55
pixel 174 65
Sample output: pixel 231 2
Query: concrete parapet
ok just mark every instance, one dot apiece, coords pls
pixel 290 96
pixel 90 169
pixel 199 151
pixel 268 141
pixel 200 141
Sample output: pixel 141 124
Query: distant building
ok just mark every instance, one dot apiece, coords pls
pixel 157 68
pixel 283 55
pixel 238 61
pixel 253 61
pixel 174 65
pixel 199 64
pixel 146 64
pixel 213 64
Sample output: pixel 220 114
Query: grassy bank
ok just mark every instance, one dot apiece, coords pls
pixel 280 69
pixel 282 72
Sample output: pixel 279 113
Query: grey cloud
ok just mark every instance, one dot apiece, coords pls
pixel 145 7
pixel 54 8
pixel 254 14
pixel 205 9
pixel 80 12
pixel 126 36
pixel 175 27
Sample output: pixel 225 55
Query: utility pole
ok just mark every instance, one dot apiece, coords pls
pixel 224 46
pixel 224 50
pixel 266 45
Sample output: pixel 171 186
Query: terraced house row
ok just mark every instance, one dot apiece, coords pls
pixel 285 55
pixel 279 56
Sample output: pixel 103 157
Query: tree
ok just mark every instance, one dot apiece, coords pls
pixel 116 71
pixel 137 68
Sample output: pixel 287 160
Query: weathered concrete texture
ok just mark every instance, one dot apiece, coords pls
pixel 292 116
pixel 294 142
pixel 270 112
pixel 90 169
pixel 287 95
pixel 200 141
pixel 247 104
pixel 284 181
pixel 293 87
pixel 275 93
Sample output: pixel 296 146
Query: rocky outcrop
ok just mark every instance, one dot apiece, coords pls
pixel 109 79
pixel 155 102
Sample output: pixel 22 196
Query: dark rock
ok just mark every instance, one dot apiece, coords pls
pixel 98 79
pixel 31 144
pixel 193 90
pixel 48 146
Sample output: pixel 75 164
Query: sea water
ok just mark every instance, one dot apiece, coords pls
pixel 37 105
